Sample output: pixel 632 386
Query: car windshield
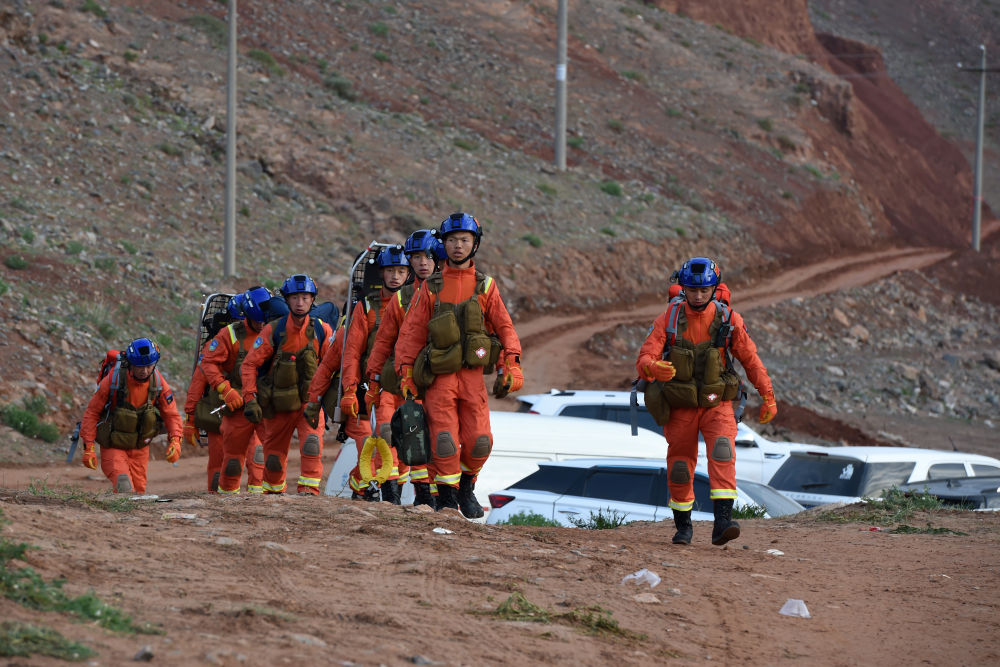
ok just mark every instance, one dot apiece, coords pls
pixel 831 476
pixel 773 502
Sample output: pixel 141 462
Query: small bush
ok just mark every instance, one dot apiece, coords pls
pixel 94 8
pixel 632 75
pixel 378 29
pixel 130 56
pixel 129 248
pixel 574 142
pixel 170 149
pixel 529 519
pixel 616 125
pixel 602 519
pixel 4 287
pixel 749 512
pixel 680 231
pixel 465 144
pixel 28 235
pixel 27 422
pixel 341 86
pixel 74 248
pixel 786 144
pixel 673 112
pixel 547 189
pixel 107 331
pixel 266 60
pixel 381 56
pixel 612 188
pixel 608 231
pixel 23 640
pixel 16 262
pixel 105 263
pixel 765 124
pixel 533 240
pixel 213 28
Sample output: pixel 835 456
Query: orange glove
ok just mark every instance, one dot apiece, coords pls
pixel 232 397
pixel 513 378
pixel 349 401
pixel 769 409
pixel 373 395
pixel 174 450
pixel 663 371
pixel 190 431
pixel 406 384
pixel 89 457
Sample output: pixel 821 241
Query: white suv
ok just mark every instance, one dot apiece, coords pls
pixel 757 458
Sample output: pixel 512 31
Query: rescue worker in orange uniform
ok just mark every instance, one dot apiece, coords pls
pixel 289 350
pixel 421 249
pixel 124 414
pixel 446 327
pixel 686 354
pixel 239 441
pixel 366 320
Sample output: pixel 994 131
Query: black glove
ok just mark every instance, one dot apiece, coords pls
pixel 312 414
pixel 500 388
pixel 252 411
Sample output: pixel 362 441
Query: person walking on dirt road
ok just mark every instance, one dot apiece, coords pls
pixel 421 249
pixel 130 405
pixel 687 359
pixel 445 335
pixel 240 440
pixel 293 346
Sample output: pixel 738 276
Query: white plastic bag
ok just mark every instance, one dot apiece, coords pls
pixel 795 608
pixel 643 576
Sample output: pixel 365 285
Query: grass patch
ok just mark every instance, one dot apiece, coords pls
pixel 608 231
pixel 378 29
pixel 16 262
pixel 213 28
pixel 612 188
pixel 129 248
pixel 4 287
pixel 381 56
pixel 591 619
pixel 27 235
pixel 632 75
pixel 465 144
pixel 105 263
pixel 74 248
pixel 266 60
pixel 929 530
pixel 616 125
pixel 765 124
pixel 749 512
pixel 895 506
pixel 170 149
pixel 116 503
pixel 25 420
pixel 94 8
pixel 130 56
pixel 814 171
pixel 545 188
pixel 602 519
pixel 574 142
pixel 532 519
pixel 23 639
pixel 341 86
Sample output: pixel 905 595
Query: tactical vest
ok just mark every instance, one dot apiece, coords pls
pixel 388 378
pixel 123 425
pixel 704 374
pixel 207 415
pixel 457 335
pixel 284 387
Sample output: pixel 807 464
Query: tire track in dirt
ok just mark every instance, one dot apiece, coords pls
pixel 554 346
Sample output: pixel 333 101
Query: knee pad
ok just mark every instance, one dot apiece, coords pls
pixel 722 450
pixel 311 446
pixel 123 484
pixel 445 446
pixel 258 455
pixel 482 447
pixel 273 463
pixel 233 468
pixel 679 473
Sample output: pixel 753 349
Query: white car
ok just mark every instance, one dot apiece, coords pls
pixel 847 474
pixel 757 458
pixel 564 491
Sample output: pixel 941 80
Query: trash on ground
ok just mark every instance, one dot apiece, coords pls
pixel 152 496
pixel 776 552
pixel 179 515
pixel 643 576
pixel 443 531
pixel 795 608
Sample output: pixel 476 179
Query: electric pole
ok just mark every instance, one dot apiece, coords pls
pixel 229 261
pixel 561 89
pixel 977 191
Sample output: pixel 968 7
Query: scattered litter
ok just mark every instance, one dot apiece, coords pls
pixel 776 552
pixel 179 515
pixel 164 500
pixel 643 576
pixel 872 529
pixel 646 598
pixel 145 654
pixel 795 608
pixel 444 531
pixel 940 575
pixel 146 497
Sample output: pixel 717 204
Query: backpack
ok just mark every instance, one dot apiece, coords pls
pixel 410 436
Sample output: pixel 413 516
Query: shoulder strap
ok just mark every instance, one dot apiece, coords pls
pixel 116 393
pixel 318 328
pixel 278 332
pixel 673 314
pixel 724 335
pixel 483 282
pixel 434 283
pixel 155 386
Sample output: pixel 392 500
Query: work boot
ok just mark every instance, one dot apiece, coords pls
pixel 471 509
pixel 422 495
pixel 391 492
pixel 725 529
pixel 682 521
pixel 447 497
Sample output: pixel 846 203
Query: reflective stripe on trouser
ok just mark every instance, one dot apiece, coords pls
pixel 129 462
pixel 419 474
pixel 457 405
pixel 277 439
pixel 239 441
pixel 681 432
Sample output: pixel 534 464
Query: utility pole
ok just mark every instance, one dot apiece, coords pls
pixel 229 261
pixel 561 89
pixel 977 192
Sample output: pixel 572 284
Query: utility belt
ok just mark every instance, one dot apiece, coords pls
pixel 286 387
pixel 702 380
pixel 458 339
pixel 129 428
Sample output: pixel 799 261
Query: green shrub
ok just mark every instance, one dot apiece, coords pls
pixel 170 149
pixel 608 231
pixel 28 235
pixel 749 512
pixel 612 188
pixel 16 262
pixel 378 29
pixel 266 60
pixel 341 85
pixel 105 263
pixel 27 422
pixel 130 56
pixel 545 188
pixel 673 113
pixel 213 28
pixel 465 144
pixel 4 287
pixel 129 248
pixel 765 124
pixel 602 519
pixel 74 248
pixel 632 75
pixel 94 8
pixel 574 142
pixel 616 125
pixel 381 56
pixel 529 519
pixel 533 240
pixel 23 640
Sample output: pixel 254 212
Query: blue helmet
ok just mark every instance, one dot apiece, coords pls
pixel 256 303
pixel 235 306
pixel 392 256
pixel 461 222
pixel 699 272
pixel 300 283
pixel 142 352
pixel 423 240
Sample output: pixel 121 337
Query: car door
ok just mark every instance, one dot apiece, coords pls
pixel 628 491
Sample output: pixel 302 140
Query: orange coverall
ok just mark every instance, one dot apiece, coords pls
pixel 718 424
pixel 359 428
pixel 385 341
pixel 237 441
pixel 278 430
pixel 120 465
pixel 456 404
